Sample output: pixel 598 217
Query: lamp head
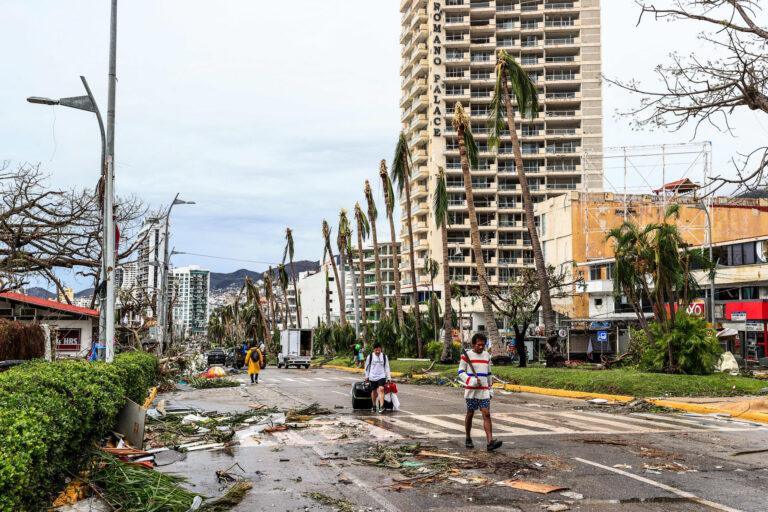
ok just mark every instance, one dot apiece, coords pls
pixel 39 100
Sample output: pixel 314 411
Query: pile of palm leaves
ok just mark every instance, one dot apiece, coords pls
pixel 306 413
pixel 130 487
pixel 201 383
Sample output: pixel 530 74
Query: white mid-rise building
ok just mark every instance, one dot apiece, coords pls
pixel 189 291
pixel 150 261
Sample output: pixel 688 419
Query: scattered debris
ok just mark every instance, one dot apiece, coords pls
pixel 749 452
pixel 306 413
pixel 556 507
pixel 572 495
pixel 167 457
pixel 340 504
pixel 666 466
pixel 531 486
pixel 210 383
pixel 425 453
pixel 622 466
pixel 599 401
pixel 226 475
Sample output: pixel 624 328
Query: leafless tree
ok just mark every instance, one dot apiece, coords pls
pixel 43 230
pixel 708 87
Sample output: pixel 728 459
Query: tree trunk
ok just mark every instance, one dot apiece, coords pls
pixel 361 260
pixel 448 308
pixel 355 292
pixel 339 285
pixel 285 317
pixel 538 256
pixel 396 263
pixel 343 284
pixel 377 263
pixel 414 282
pixel 474 232
pixel 433 308
pixel 520 345
pixel 298 297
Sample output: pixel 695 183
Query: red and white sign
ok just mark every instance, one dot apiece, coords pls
pixel 695 309
pixel 69 340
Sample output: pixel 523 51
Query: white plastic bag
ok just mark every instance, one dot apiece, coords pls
pixel 392 397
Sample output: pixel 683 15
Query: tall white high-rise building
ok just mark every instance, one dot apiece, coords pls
pixel 150 259
pixel 449 50
pixel 126 275
pixel 189 289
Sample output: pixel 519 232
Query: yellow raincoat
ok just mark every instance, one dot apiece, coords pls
pixel 254 358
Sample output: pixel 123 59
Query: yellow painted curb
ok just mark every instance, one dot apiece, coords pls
pixel 703 409
pixel 354 370
pixel 564 393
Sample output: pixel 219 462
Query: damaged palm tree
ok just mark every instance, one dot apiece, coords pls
pixel 328 251
pixel 289 253
pixel 363 228
pixel 468 155
pixel 510 75
pixel 389 200
pixel 372 216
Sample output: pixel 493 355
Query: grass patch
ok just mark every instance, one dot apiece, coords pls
pixel 201 383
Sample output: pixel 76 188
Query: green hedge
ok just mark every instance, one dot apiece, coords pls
pixel 50 415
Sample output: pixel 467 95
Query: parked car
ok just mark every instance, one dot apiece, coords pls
pixel 216 357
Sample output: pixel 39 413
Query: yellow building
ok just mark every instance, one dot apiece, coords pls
pixel 574 227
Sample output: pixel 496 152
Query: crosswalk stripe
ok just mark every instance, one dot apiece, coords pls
pixel 604 421
pixel 499 426
pixel 682 422
pixel 399 423
pixel 520 420
pixel 322 379
pixel 440 423
pixel 288 379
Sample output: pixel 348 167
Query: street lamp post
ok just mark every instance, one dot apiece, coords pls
pixel 88 103
pixel 702 206
pixel 163 320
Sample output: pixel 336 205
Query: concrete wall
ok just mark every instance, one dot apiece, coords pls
pixel 86 335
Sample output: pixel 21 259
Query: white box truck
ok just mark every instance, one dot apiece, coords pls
pixel 295 348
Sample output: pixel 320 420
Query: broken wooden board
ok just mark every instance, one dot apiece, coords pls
pixel 531 486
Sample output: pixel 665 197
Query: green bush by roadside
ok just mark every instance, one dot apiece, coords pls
pixel 50 415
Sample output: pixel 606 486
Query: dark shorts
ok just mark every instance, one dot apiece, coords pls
pixel 474 404
pixel 375 384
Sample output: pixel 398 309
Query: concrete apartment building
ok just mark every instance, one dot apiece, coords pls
pixel 190 288
pixel 150 258
pixel 449 55
pixel 312 288
pixel 573 230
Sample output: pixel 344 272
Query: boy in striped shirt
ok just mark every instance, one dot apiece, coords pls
pixel 475 372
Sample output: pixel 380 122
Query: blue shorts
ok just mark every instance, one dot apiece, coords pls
pixel 474 404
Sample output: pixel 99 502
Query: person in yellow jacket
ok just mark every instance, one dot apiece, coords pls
pixel 254 359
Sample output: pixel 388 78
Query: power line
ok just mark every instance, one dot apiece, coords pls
pixel 226 258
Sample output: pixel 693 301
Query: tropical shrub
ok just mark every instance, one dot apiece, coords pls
pixel 435 350
pixel 21 340
pixel 694 347
pixel 51 414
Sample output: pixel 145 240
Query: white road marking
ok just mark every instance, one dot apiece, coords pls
pixel 668 488
pixel 605 421
pixel 521 419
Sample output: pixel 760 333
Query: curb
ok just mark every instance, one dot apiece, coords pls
pixel 703 409
pixel 585 395
pixel 564 393
pixel 354 370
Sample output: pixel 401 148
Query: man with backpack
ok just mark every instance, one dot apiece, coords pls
pixel 475 373
pixel 377 374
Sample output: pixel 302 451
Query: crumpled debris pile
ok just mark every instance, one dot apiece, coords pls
pixel 213 382
pixel 307 413
pixel 420 465
pixel 186 429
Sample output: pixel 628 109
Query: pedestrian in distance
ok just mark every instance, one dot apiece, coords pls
pixel 378 375
pixel 358 355
pixel 475 372
pixel 254 358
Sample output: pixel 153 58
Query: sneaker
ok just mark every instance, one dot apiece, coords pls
pixel 493 445
pixel 468 443
pixel 380 409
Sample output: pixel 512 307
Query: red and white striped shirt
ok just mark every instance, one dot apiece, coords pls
pixel 476 385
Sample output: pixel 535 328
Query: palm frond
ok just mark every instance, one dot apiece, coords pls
pixel 288 251
pixel 523 89
pixel 344 230
pixel 462 124
pixel 362 222
pixel 401 163
pixel 440 203
pixel 389 194
pixel 372 212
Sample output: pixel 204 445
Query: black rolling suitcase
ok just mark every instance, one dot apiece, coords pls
pixel 361 396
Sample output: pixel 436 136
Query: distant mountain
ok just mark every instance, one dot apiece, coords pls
pixel 222 281
pixel 88 292
pixel 42 293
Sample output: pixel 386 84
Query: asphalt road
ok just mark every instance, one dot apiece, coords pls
pixel 606 457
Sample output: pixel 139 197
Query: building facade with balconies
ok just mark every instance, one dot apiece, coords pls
pixel 449 55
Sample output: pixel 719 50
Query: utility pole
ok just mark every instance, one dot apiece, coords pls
pixel 110 248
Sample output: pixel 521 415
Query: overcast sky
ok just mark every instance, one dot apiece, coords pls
pixel 267 114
